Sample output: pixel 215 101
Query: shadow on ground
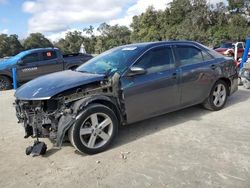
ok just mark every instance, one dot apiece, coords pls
pixel 132 132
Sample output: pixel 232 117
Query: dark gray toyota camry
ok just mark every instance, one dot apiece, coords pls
pixel 121 86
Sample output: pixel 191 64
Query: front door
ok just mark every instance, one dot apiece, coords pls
pixel 154 92
pixel 29 68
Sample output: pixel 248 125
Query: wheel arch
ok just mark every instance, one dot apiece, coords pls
pixel 6 75
pixel 228 82
pixel 110 105
pixel 110 102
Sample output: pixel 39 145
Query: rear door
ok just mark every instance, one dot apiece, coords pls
pixel 197 73
pixel 155 92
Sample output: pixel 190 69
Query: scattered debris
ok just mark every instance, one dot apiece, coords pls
pixel 123 155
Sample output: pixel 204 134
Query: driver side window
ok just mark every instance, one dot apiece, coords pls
pixel 30 58
pixel 157 60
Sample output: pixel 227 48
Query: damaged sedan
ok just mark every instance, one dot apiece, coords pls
pixel 123 85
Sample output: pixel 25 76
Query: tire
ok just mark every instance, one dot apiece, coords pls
pixel 217 97
pixel 5 83
pixel 95 130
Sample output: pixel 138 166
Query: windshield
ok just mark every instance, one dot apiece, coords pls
pixel 227 45
pixel 19 56
pixel 111 61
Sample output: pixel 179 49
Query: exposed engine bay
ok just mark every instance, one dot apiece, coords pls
pixel 53 117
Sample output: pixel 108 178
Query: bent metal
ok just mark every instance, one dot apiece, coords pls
pixel 39 123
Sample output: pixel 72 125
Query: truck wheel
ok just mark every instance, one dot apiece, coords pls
pixel 95 130
pixel 218 96
pixel 5 83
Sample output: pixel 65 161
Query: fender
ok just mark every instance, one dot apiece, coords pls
pixel 77 109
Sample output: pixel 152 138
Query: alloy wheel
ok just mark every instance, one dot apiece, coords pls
pixel 219 95
pixel 96 130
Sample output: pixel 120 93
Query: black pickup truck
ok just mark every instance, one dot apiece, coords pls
pixel 37 62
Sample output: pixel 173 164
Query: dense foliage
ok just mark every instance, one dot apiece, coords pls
pixel 9 45
pixel 182 19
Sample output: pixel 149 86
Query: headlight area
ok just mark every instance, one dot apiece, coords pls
pixel 39 118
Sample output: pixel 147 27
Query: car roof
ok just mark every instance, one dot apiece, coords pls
pixel 39 50
pixel 152 44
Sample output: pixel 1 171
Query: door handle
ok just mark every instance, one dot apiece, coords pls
pixel 213 66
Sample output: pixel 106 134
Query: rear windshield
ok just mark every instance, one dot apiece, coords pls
pixel 226 45
pixel 212 52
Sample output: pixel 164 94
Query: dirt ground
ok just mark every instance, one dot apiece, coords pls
pixel 189 148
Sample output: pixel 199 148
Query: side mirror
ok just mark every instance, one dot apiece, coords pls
pixel 20 62
pixel 136 71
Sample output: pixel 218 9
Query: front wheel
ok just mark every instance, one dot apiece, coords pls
pixel 218 96
pixel 5 83
pixel 95 130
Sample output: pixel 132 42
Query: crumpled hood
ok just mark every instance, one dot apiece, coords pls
pixel 47 86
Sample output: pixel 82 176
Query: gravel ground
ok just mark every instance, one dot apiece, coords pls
pixel 188 148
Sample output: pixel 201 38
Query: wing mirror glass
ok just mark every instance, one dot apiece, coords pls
pixel 136 71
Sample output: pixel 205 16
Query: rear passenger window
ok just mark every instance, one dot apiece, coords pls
pixel 157 60
pixel 49 55
pixel 189 55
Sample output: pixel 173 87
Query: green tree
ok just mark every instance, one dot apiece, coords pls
pixel 36 40
pixel 147 26
pixel 9 45
pixel 74 40
pixel 90 40
pixel 238 28
pixel 236 4
pixel 192 20
pixel 111 36
pixel 71 43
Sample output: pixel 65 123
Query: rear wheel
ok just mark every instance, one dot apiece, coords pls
pixel 218 96
pixel 95 130
pixel 5 83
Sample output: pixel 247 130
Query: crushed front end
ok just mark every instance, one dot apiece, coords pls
pixel 51 118
pixel 39 118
